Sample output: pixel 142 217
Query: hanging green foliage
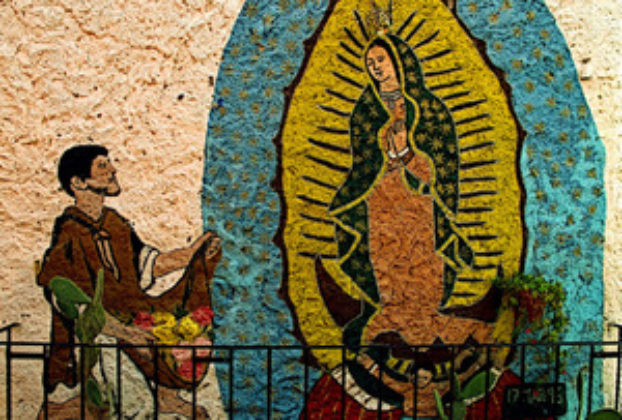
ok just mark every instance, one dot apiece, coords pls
pixel 537 303
pixel 538 308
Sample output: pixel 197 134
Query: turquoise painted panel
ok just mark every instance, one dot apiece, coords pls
pixel 261 58
pixel 562 166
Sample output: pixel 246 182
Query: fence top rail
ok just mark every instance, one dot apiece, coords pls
pixel 8 327
pixel 417 347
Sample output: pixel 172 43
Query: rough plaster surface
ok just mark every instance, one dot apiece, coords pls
pixel 135 76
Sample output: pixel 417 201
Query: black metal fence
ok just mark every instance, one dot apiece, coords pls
pixel 550 367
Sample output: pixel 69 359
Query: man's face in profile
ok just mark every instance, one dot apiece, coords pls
pixel 103 179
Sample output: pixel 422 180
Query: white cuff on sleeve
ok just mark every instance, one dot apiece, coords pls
pixel 146 261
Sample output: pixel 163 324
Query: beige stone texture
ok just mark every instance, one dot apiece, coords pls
pixel 137 76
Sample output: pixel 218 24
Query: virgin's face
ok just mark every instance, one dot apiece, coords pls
pixel 379 64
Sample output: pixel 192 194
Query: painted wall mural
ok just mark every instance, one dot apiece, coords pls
pixel 420 150
pixel 408 193
pixel 105 286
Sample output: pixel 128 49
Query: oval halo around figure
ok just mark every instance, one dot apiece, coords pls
pixel 397 212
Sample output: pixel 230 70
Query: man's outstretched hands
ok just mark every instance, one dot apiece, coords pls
pixel 167 262
pixel 213 245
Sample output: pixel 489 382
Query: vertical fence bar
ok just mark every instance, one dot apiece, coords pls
pixel 619 359
pixel 343 383
pixel 522 362
pixel 451 381
pixel 194 383
pixel 82 384
pixel 557 363
pixel 306 381
pixel 590 383
pixel 46 367
pixel 8 374
pixel 487 383
pixel 557 367
pixel 156 375
pixel 379 413
pixel 269 387
pixel 416 383
pixel 118 372
pixel 231 383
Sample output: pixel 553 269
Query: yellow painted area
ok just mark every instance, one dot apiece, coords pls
pixel 305 116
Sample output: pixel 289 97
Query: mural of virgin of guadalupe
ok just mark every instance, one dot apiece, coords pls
pixel 399 199
pixel 398 152
pixel 395 232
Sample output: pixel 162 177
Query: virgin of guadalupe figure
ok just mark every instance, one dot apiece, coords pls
pixel 394 214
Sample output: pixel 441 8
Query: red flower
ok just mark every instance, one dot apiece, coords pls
pixel 185 353
pixel 527 330
pixel 144 320
pixel 185 370
pixel 203 315
pixel 204 351
pixel 181 353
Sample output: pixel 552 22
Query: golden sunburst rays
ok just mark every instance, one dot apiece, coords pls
pixel 445 79
pixel 361 25
pixel 326 150
pixel 406 22
pixel 316 156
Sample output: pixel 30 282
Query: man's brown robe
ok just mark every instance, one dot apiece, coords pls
pixel 76 253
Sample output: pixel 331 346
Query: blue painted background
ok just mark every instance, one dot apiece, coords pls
pixel 562 163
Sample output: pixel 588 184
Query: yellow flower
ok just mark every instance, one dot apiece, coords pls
pixel 188 328
pixel 165 335
pixel 164 319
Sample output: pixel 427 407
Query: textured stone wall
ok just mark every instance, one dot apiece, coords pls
pixel 134 76
pixel 138 78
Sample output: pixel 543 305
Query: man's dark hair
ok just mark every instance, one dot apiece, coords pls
pixel 77 161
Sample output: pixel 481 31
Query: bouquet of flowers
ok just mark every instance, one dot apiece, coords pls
pixel 181 328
